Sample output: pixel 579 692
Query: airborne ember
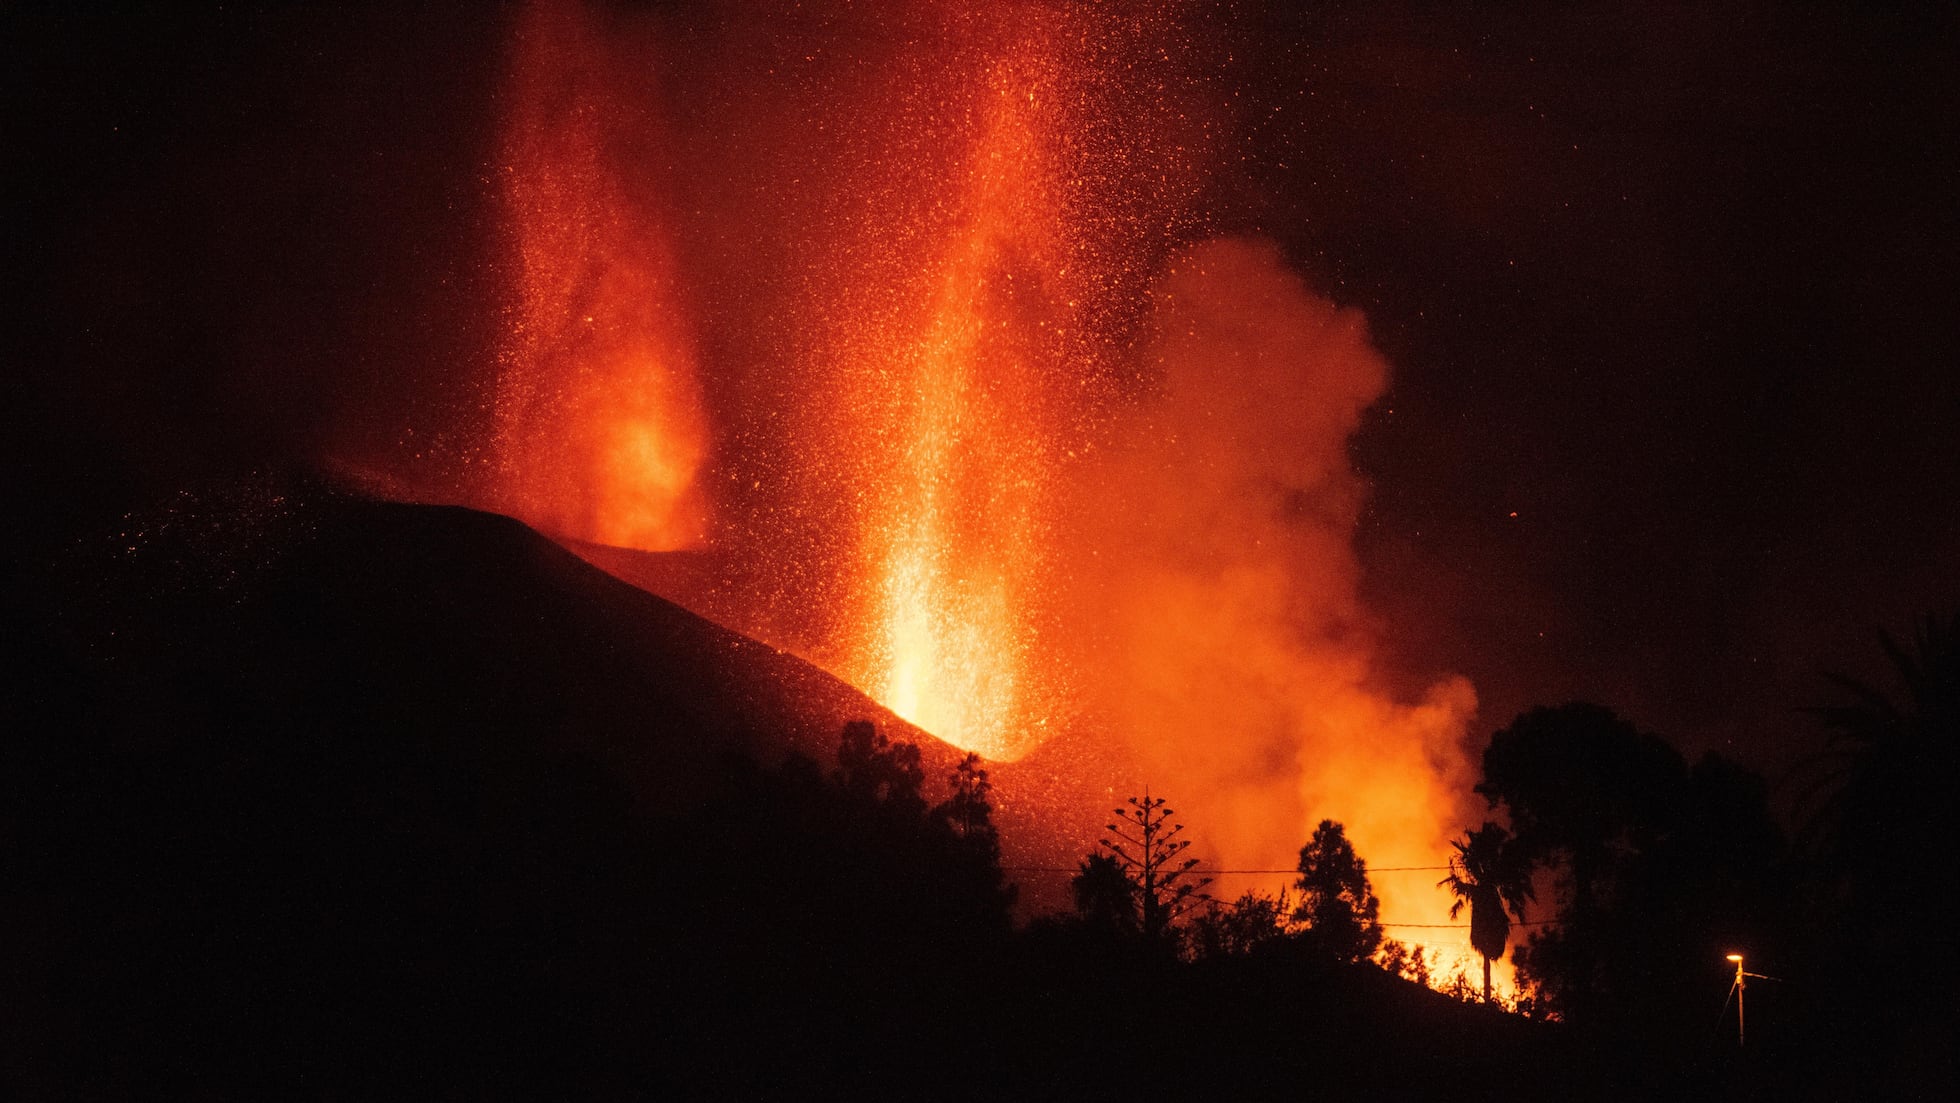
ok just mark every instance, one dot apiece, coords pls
pixel 1459 440
pixel 918 324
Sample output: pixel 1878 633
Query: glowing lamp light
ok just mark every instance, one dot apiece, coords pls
pixel 1738 990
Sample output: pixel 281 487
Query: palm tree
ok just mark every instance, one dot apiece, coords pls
pixel 1884 753
pixel 1486 875
pixel 1888 816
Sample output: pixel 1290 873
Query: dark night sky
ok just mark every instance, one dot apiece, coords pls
pixel 1670 283
pixel 1673 284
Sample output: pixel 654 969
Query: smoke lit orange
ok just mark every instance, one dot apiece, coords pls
pixel 1016 448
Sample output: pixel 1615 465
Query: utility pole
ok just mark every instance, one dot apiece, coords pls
pixel 1737 990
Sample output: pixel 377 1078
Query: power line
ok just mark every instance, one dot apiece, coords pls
pixel 1233 904
pixel 1406 869
pixel 1425 926
pixel 1466 926
pixel 1200 869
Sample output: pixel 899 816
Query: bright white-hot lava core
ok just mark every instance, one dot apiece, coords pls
pixel 916 319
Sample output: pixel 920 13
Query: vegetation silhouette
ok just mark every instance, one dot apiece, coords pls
pixel 1105 898
pixel 968 814
pixel 1887 810
pixel 1658 871
pixel 1580 786
pixel 1487 875
pixel 1401 959
pixel 878 773
pixel 326 796
pixel 1144 843
pixel 1252 924
pixel 1878 816
pixel 1338 913
pixel 968 809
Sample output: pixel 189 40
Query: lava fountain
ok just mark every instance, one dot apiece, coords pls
pixel 957 519
pixel 978 288
pixel 999 434
pixel 599 423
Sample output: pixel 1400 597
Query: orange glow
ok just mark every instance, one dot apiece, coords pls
pixel 1219 591
pixel 599 421
pixel 965 318
pixel 955 536
pixel 1014 442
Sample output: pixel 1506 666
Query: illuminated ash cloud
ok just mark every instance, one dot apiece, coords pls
pixel 909 319
pixel 1215 581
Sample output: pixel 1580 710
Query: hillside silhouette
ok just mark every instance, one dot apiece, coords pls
pixel 307 793
pixel 303 784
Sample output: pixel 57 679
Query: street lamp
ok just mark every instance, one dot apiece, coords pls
pixel 1737 990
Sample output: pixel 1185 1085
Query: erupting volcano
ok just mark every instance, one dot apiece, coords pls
pixel 750 548
pixel 599 429
pixel 917 325
pixel 954 530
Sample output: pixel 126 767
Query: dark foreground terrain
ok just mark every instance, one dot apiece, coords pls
pixel 308 795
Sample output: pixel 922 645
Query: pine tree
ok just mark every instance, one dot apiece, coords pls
pixel 1146 845
pixel 1337 907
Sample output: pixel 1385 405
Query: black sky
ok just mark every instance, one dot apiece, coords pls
pixel 1672 284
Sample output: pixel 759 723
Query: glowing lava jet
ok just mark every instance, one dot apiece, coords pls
pixel 600 427
pixel 999 436
pixel 956 543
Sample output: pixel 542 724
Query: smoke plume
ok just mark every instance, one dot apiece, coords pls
pixel 1215 576
pixel 911 322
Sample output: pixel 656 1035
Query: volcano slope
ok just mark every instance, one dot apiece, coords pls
pixel 308 794
pixel 307 788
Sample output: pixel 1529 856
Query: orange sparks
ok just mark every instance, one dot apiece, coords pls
pixel 1005 438
pixel 956 535
pixel 599 420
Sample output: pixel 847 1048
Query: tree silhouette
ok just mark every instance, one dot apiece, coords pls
pixel 968 811
pixel 1888 813
pixel 1337 907
pixel 1400 959
pixel 1487 877
pixel 1658 867
pixel 1886 753
pixel 873 769
pixel 1104 897
pixel 1590 797
pixel 1582 786
pixel 1240 927
pixel 967 818
pixel 1146 846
